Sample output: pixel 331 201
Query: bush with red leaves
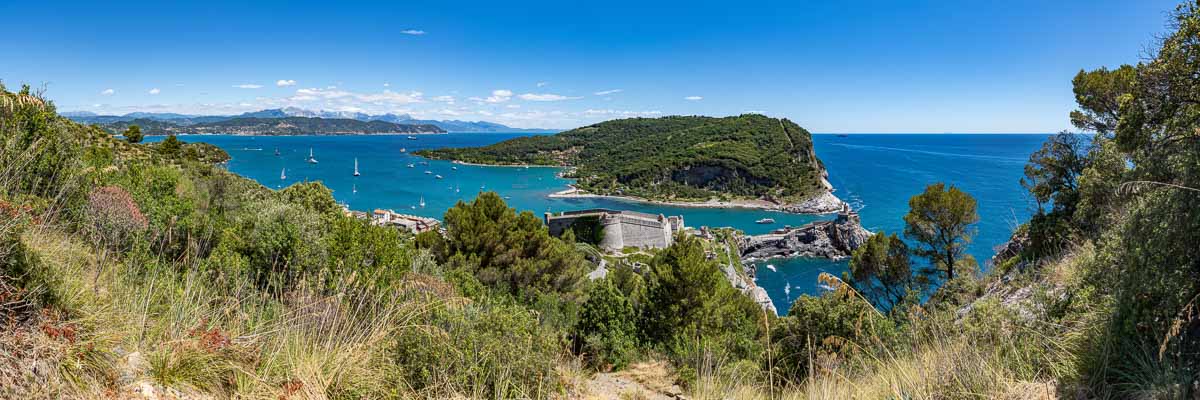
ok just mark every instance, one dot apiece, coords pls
pixel 113 215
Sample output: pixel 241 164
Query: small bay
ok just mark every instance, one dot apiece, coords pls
pixel 877 173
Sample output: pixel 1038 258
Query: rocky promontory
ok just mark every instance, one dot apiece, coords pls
pixel 829 239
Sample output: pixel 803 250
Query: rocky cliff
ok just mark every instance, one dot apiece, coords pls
pixel 829 239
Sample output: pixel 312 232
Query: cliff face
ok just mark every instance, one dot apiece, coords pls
pixel 828 239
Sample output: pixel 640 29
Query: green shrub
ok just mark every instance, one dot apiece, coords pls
pixel 821 332
pixel 484 350
pixel 606 330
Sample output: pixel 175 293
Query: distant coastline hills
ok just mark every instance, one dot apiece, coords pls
pixel 285 121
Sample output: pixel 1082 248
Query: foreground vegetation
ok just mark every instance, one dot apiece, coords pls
pixel 672 158
pixel 135 270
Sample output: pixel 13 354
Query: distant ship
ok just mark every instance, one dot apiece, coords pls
pixel 353 189
pixel 283 175
pixel 276 152
pixel 427 172
pixel 422 203
pixel 412 138
pixel 411 166
pixel 311 159
pixel 356 167
pixel 454 168
pixel 403 150
pixel 437 176
pixel 765 221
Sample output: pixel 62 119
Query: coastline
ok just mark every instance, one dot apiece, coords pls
pixel 498 165
pixel 823 204
pixel 306 134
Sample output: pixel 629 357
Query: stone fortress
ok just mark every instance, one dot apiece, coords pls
pixel 622 228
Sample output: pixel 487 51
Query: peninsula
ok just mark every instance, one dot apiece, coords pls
pixel 750 161
pixel 273 126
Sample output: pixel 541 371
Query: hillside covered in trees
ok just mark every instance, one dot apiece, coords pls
pixel 133 270
pixel 672 158
pixel 271 126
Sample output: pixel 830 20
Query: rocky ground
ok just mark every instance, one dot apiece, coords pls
pixel 650 381
pixel 825 203
pixel 828 239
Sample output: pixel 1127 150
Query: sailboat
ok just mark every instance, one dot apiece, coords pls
pixel 455 188
pixel 311 159
pixel 356 167
pixel 283 174
pixel 403 150
pixel 422 202
pixel 276 152
pixel 353 189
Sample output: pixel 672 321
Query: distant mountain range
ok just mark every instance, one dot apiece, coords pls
pixel 272 126
pixel 187 120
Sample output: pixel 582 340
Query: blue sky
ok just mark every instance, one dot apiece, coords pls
pixel 863 66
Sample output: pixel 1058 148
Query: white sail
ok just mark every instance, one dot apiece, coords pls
pixel 356 167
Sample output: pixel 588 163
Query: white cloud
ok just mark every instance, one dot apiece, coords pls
pixel 485 113
pixel 108 92
pixel 415 32
pixel 285 82
pixel 386 84
pixel 542 84
pixel 693 98
pixel 247 86
pixel 513 106
pixel 621 113
pixel 341 99
pixel 546 97
pixel 499 96
pixel 608 92
pixel 444 99
pixel 154 91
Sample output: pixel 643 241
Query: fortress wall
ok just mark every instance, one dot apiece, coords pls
pixel 621 230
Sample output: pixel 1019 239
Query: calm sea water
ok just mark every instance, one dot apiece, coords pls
pixel 875 173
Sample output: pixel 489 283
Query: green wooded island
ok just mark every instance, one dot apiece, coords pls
pixel 743 161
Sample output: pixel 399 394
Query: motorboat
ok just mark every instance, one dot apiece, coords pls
pixel 765 221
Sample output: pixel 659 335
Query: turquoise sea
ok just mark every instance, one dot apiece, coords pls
pixel 877 173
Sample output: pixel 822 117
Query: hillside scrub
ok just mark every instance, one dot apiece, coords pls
pixel 135 270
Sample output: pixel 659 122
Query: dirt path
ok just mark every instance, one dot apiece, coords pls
pixel 649 381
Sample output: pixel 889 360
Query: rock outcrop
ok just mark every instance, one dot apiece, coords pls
pixel 828 239
pixel 756 293
pixel 825 203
